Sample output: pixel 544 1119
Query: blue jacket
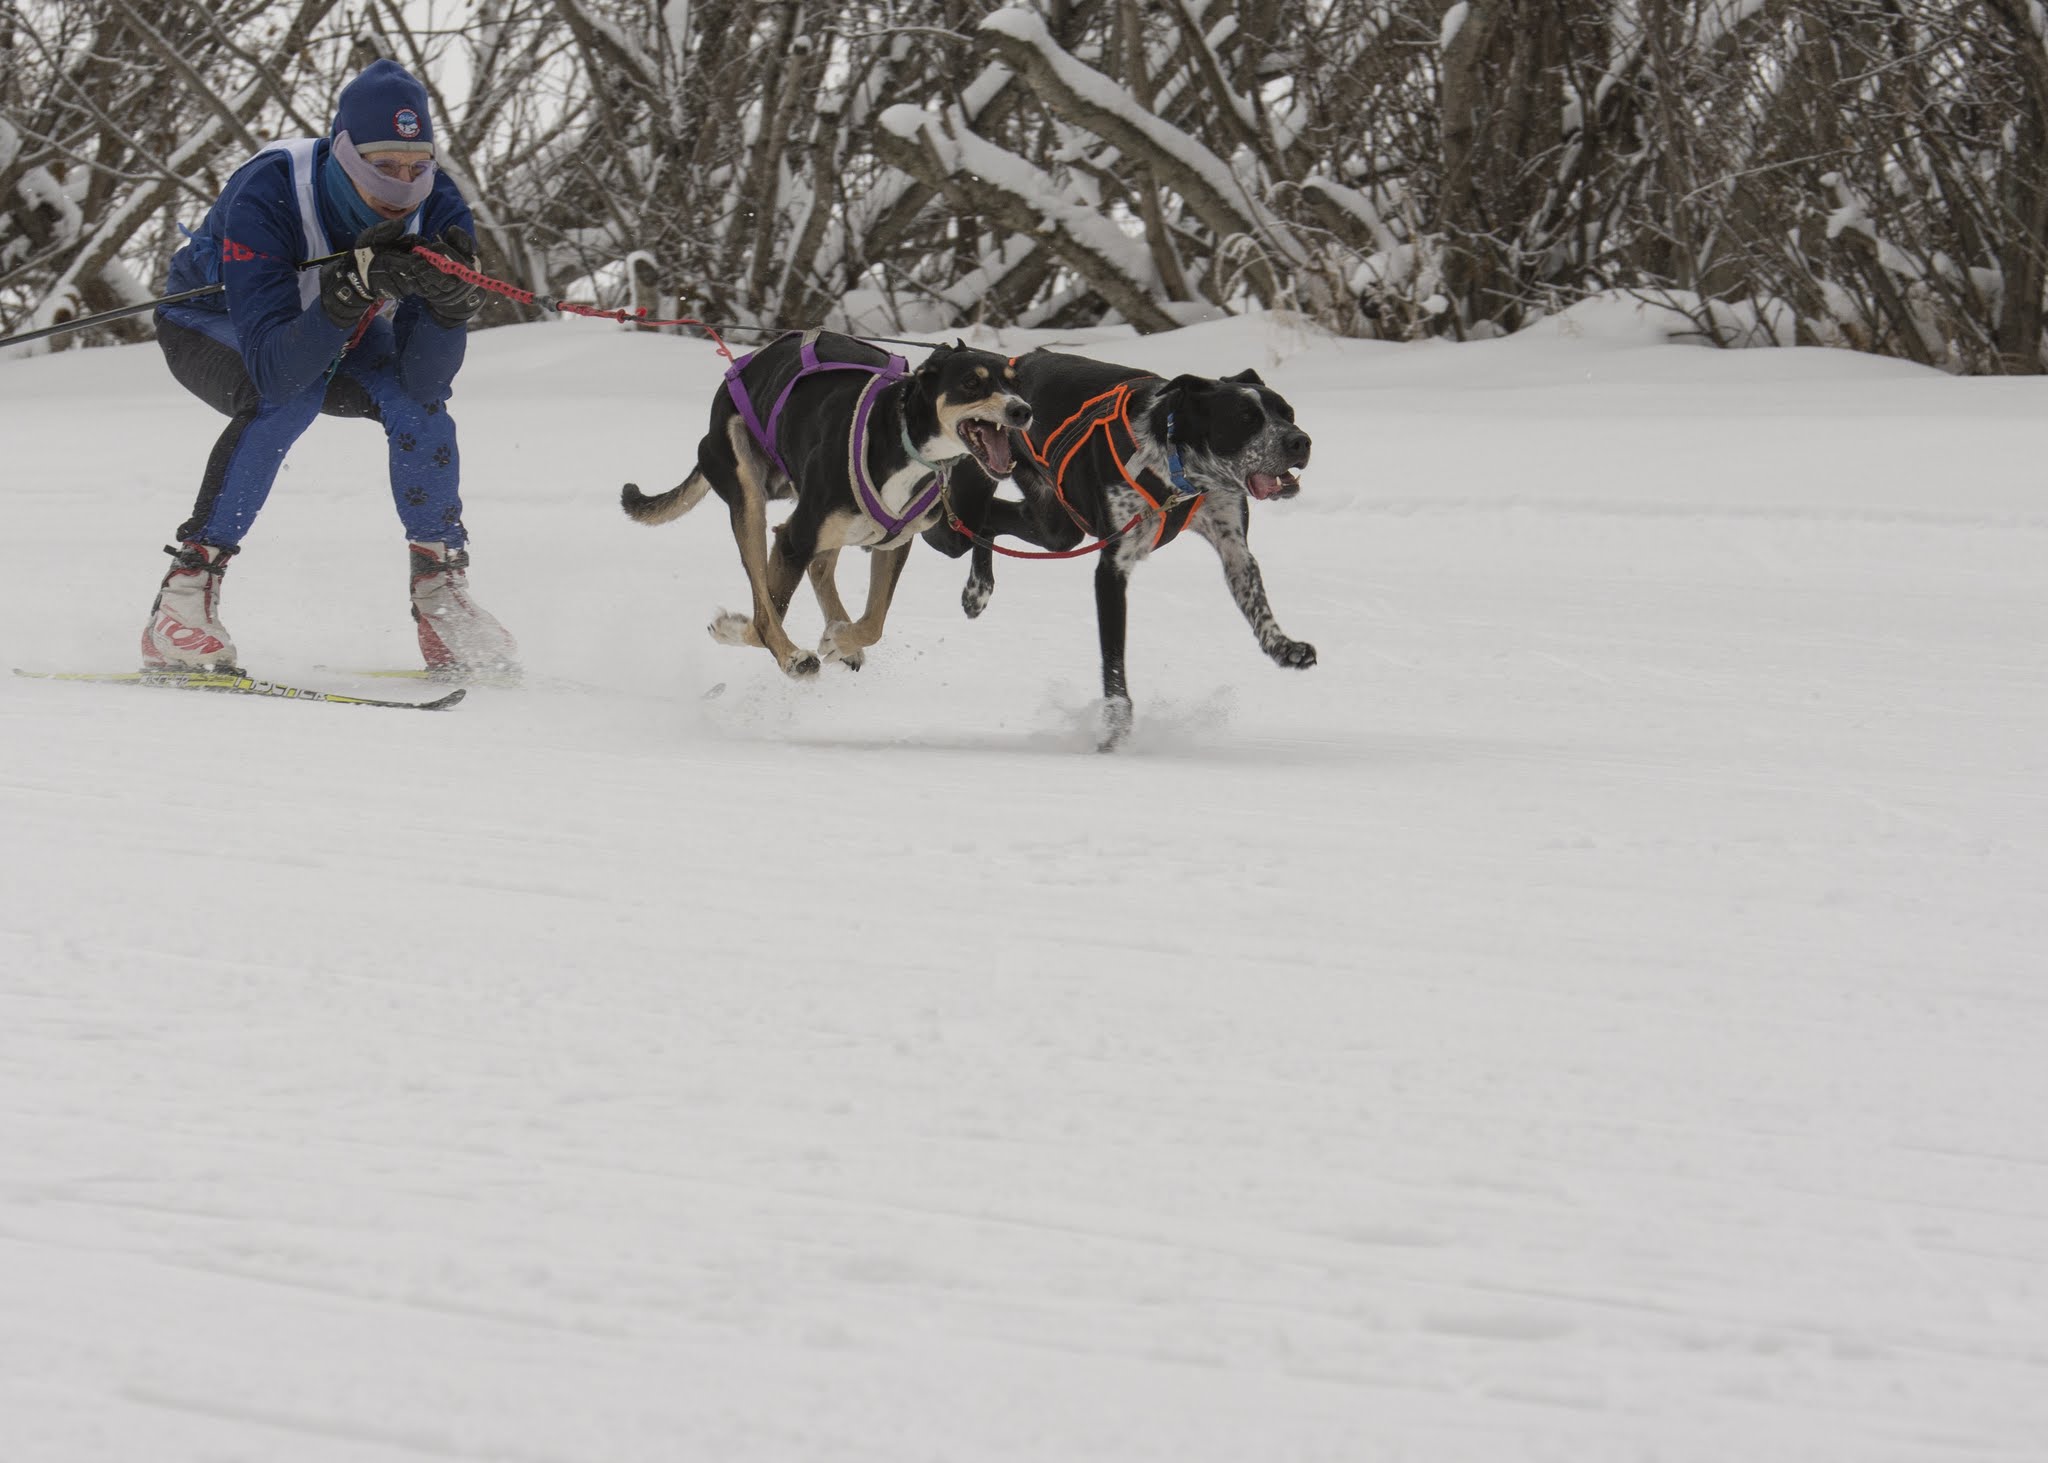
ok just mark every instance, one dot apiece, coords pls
pixel 269 217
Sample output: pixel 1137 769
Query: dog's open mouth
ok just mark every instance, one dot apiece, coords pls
pixel 1263 485
pixel 990 445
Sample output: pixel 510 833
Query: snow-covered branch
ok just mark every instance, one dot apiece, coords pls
pixel 989 180
pixel 1873 176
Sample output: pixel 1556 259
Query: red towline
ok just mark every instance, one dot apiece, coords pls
pixel 513 292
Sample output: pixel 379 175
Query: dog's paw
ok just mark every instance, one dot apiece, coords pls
pixel 1116 723
pixel 731 629
pixel 832 648
pixel 1297 654
pixel 974 598
pixel 801 666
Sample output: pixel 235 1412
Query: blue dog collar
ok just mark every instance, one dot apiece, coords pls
pixel 1176 473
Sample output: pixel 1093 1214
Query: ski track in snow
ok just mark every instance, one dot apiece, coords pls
pixel 1594 1015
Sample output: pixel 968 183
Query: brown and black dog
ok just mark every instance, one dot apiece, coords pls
pixel 859 441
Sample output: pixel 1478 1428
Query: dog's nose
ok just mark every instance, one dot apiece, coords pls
pixel 1296 444
pixel 1016 414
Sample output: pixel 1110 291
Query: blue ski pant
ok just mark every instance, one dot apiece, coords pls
pixel 426 468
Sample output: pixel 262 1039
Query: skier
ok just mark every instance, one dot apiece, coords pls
pixel 285 342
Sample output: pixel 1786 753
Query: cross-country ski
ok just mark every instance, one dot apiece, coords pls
pixel 235 683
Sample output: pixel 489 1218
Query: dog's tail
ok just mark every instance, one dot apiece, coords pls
pixel 664 506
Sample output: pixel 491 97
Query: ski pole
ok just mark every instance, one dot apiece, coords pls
pixel 106 315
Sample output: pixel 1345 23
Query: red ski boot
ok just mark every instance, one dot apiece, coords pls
pixel 458 637
pixel 184 632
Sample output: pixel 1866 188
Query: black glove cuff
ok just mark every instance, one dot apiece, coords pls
pixel 451 301
pixel 455 316
pixel 342 296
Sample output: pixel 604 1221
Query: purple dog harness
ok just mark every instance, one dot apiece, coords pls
pixel 884 376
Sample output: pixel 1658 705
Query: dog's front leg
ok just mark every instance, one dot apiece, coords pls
pixel 1111 581
pixel 1020 520
pixel 981 581
pixel 967 501
pixel 824 567
pixel 1248 588
pixel 849 642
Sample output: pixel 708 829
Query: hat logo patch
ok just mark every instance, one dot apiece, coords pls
pixel 407 123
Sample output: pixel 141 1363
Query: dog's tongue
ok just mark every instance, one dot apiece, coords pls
pixel 1000 459
pixel 1264 485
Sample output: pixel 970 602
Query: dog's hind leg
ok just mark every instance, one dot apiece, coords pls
pixel 786 561
pixel 768 576
pixel 732 629
pixel 1111 580
pixel 738 630
pixel 848 642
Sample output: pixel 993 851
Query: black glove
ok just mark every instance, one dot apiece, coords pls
pixel 379 266
pixel 453 302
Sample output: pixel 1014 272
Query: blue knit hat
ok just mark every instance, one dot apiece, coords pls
pixel 384 107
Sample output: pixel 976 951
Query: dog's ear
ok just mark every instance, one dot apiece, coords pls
pixel 1246 377
pixel 1179 397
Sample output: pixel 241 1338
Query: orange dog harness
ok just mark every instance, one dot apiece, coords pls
pixel 1109 414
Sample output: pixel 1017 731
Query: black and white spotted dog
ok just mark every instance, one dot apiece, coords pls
pixel 1122 454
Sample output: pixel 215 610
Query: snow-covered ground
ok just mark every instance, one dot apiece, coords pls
pixel 1596 1014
